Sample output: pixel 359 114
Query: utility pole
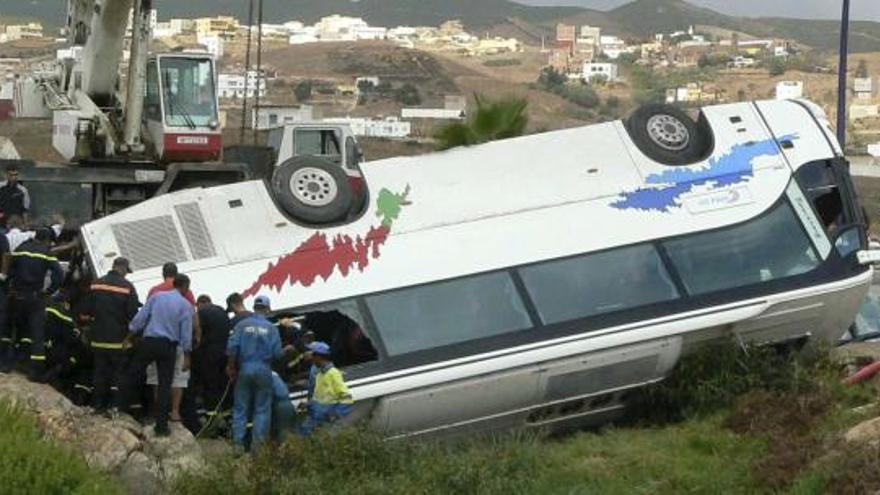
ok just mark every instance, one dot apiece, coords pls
pixel 842 76
pixel 247 70
pixel 260 80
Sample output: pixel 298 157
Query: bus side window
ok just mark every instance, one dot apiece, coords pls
pixel 819 183
pixel 342 326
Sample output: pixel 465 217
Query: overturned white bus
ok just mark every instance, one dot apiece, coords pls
pixel 531 281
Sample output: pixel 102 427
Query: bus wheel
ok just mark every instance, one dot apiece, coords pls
pixel 312 189
pixel 668 135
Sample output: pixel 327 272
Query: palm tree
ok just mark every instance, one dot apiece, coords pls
pixel 493 119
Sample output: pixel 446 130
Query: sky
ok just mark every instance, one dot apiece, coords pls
pixel 820 9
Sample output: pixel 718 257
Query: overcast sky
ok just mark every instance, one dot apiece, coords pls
pixel 862 9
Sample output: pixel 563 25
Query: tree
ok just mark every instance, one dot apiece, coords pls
pixel 303 91
pixel 862 70
pixel 492 120
pixel 408 95
pixel 777 66
pixel 551 79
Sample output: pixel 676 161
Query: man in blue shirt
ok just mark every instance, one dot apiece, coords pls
pixel 254 344
pixel 166 321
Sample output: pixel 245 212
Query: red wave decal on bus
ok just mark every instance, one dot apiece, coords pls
pixel 316 257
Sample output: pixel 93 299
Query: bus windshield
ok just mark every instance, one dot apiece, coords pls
pixel 188 91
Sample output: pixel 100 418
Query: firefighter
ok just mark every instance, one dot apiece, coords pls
pixel 63 347
pixel 31 262
pixel 112 303
pixel 7 348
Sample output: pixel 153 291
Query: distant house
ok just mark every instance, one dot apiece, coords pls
pixel 594 70
pixel 859 112
pixel 789 90
pixel 390 128
pixel 269 117
pixel 742 62
pixel 432 113
pixel 233 85
pixel 863 88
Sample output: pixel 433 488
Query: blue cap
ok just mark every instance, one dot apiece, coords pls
pixel 262 300
pixel 320 348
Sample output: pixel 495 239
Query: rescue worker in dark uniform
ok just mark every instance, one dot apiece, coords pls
pixel 14 197
pixel 27 277
pixel 65 350
pixel 7 342
pixel 211 363
pixel 112 303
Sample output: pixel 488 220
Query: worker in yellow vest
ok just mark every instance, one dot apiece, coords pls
pixel 330 400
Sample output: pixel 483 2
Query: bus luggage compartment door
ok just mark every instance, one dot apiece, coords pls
pixel 591 387
pixel 487 402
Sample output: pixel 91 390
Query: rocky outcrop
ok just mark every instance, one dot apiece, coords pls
pixel 864 432
pixel 120 446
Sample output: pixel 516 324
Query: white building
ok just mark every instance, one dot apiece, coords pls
pixel 742 62
pixel 233 85
pixel 601 70
pixel 369 33
pixel 182 25
pixel 789 90
pixel 863 88
pixel 215 45
pixel 31 30
pixel 269 117
pixel 154 21
pixel 339 28
pixel 303 35
pixel 432 113
pixel 391 127
pixel 71 53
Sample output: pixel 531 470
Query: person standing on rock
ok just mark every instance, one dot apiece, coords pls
pixel 111 304
pixel 254 344
pixel 166 322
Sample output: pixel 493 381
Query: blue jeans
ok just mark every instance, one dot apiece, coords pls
pixel 322 414
pixel 253 399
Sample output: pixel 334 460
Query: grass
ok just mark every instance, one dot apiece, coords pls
pixel 30 464
pixel 728 422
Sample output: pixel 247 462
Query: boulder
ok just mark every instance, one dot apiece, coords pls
pixel 119 446
pixel 864 432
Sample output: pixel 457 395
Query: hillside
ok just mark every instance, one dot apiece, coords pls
pixel 645 17
pixel 640 18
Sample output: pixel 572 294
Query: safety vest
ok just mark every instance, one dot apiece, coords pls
pixel 330 387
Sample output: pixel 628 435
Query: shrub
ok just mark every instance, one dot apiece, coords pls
pixel 30 464
pixel 712 378
pixel 353 461
pixel 581 95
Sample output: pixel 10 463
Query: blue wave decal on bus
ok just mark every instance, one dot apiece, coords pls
pixel 734 167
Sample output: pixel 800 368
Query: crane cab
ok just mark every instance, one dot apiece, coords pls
pixel 180 108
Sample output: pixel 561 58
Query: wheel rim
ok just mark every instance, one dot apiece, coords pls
pixel 313 186
pixel 668 132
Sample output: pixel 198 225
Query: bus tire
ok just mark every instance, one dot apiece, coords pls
pixel 668 135
pixel 312 189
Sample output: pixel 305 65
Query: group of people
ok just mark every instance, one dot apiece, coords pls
pixel 161 359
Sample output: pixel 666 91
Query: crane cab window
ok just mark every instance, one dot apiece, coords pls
pixel 317 142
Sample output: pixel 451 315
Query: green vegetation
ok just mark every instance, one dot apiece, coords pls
pixel 303 91
pixel 408 95
pixel 491 120
pixel 758 421
pixel 31 465
pixel 553 81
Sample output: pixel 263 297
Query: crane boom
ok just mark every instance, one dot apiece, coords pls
pixel 101 25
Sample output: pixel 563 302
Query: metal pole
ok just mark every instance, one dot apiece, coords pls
pixel 137 75
pixel 247 68
pixel 259 67
pixel 842 75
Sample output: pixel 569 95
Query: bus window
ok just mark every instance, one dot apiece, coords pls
pixel 819 183
pixel 341 325
pixel 451 312
pixel 598 283
pixel 771 247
